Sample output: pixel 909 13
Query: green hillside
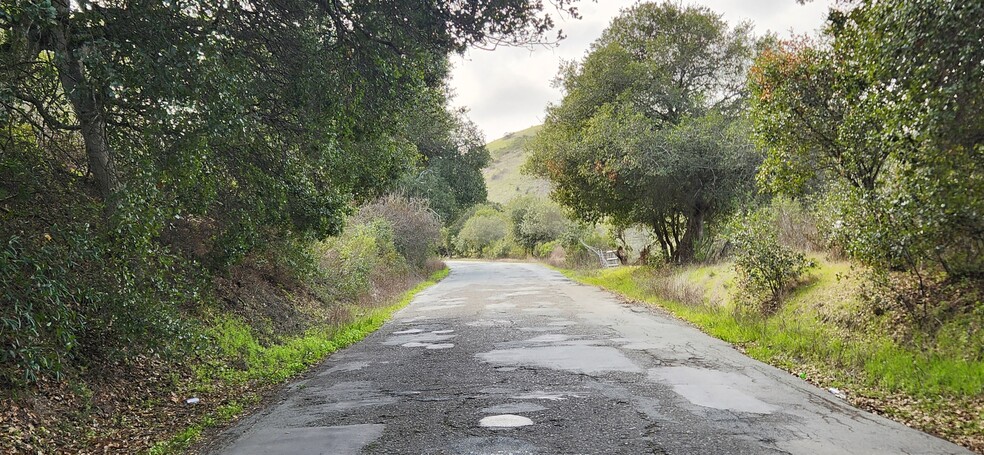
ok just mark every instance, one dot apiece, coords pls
pixel 503 177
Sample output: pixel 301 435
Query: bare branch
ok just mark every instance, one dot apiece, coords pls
pixel 43 112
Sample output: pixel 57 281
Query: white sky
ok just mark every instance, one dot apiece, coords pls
pixel 508 89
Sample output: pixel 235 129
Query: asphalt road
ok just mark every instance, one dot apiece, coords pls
pixel 507 358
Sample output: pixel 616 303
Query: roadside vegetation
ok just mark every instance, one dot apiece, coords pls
pixel 199 200
pixel 818 202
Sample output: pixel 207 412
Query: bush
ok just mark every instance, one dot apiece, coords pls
pixel 536 221
pixel 352 263
pixel 416 228
pixel 544 250
pixel 766 268
pixel 481 233
pixel 78 288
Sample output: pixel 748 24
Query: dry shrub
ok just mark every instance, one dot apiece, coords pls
pixel 557 257
pixel 796 226
pixel 416 228
pixel 676 287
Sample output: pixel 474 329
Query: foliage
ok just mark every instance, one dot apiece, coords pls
pixel 416 228
pixel 544 222
pixel 814 131
pixel 484 234
pixel 762 263
pixel 887 119
pixel 649 130
pixel 350 262
pixel 147 148
pixel 453 152
pixel 74 293
pixel 536 221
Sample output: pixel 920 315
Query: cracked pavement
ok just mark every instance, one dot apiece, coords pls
pixel 512 358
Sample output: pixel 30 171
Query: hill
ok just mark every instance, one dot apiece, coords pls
pixel 503 177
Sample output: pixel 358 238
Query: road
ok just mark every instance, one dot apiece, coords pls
pixel 509 358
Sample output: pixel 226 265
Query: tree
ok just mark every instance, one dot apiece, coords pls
pixel 649 130
pixel 481 232
pixel 453 153
pixel 145 145
pixel 889 116
pixel 809 111
pixel 277 117
pixel 536 221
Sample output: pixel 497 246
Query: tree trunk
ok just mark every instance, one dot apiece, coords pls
pixel 665 243
pixel 86 102
pixel 694 233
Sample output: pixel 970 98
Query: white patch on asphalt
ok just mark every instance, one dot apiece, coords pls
pixel 550 338
pixel 442 332
pixel 407 332
pixel 490 323
pixel 429 338
pixel 336 440
pixel 415 344
pixel 712 388
pixel 549 396
pixel 500 306
pixel 505 421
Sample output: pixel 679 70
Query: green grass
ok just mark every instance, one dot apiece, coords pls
pixel 236 343
pixel 503 178
pixel 804 335
pixel 181 441
pixel 511 141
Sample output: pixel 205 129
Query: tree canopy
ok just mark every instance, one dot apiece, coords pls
pixel 148 146
pixel 887 121
pixel 280 115
pixel 452 154
pixel 650 128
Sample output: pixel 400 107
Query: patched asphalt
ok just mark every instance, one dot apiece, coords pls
pixel 512 358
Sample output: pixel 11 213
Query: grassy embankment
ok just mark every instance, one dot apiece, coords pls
pixel 271 365
pixel 503 177
pixel 827 334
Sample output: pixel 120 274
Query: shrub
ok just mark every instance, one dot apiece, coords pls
pixel 416 228
pixel 536 221
pixel 76 287
pixel 354 261
pixel 481 232
pixel 766 268
pixel 544 250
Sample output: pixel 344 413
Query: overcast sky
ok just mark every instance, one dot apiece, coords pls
pixel 507 89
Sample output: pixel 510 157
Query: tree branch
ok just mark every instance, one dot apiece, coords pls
pixel 43 112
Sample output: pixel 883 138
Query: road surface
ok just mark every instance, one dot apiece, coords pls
pixel 508 358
